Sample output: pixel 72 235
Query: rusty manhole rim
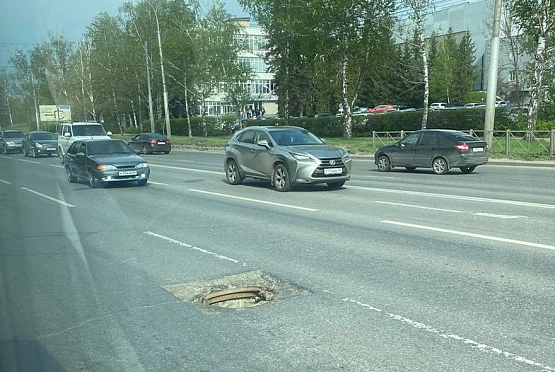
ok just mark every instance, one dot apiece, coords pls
pixel 258 294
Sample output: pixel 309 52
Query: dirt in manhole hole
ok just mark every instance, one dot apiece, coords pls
pixel 239 291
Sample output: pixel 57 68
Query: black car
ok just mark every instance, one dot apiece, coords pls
pixel 104 161
pixel 148 143
pixel 40 143
pixel 10 140
pixel 439 149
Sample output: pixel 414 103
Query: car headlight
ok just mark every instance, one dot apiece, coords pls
pixel 39 145
pixel 106 167
pixel 345 154
pixel 10 143
pixel 142 165
pixel 302 157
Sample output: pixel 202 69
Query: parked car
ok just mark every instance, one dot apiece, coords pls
pixel 11 140
pixel 70 132
pixel 39 143
pixel 286 156
pixel 472 105
pixel 380 109
pixel 148 143
pixel 104 161
pixel 439 149
pixel 438 105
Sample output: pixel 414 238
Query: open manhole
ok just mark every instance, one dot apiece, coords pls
pixel 239 291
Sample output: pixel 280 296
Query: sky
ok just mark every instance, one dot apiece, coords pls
pixel 25 23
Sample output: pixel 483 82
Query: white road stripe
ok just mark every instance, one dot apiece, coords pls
pixel 450 336
pixel 187 169
pixel 56 166
pixel 254 200
pixel 48 197
pixel 219 256
pixel 6 182
pixel 472 235
pixel 501 216
pixel 30 161
pixel 158 183
pixel 457 197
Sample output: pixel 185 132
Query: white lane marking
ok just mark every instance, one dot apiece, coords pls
pixel 379 177
pixel 56 166
pixel 48 197
pixel 254 200
pixel 458 197
pixel 30 161
pixel 187 169
pixel 450 336
pixel 158 183
pixel 472 235
pixel 502 216
pixel 6 182
pixel 219 256
pixel 5 157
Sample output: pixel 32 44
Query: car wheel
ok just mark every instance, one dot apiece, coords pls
pixel 145 150
pixel 410 169
pixel 336 185
pixel 142 182
pixel 281 178
pixel 70 177
pixel 61 156
pixel 440 166
pixel 94 182
pixel 166 152
pixel 384 164
pixel 467 169
pixel 232 173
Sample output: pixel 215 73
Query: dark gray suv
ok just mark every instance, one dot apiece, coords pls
pixel 11 141
pixel 286 156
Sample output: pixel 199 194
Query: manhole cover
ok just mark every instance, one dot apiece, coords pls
pixel 239 291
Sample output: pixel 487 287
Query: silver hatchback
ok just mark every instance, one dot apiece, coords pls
pixel 286 156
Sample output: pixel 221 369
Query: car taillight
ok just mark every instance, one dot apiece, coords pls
pixel 462 147
pixel 152 142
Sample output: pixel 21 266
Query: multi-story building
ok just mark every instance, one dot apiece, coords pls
pixel 261 97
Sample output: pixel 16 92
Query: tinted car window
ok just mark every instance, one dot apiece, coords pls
pixel 13 134
pixel 73 148
pixel 460 136
pixel 88 130
pixel 246 137
pixel 430 139
pixel 410 140
pixel 41 136
pixel 288 137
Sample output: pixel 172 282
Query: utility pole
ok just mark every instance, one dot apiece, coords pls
pixel 150 109
pixel 164 87
pixel 491 95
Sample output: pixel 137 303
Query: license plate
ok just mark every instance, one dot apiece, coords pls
pixel 329 171
pixel 478 149
pixel 127 173
pixel 161 143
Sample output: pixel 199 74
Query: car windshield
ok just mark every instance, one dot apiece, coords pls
pixel 41 136
pixel 107 147
pixel 295 138
pixel 13 135
pixel 88 130
pixel 156 136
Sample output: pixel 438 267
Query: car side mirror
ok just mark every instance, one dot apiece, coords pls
pixel 67 134
pixel 263 143
pixel 108 133
pixel 80 154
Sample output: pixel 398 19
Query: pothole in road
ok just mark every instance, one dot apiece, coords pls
pixel 239 291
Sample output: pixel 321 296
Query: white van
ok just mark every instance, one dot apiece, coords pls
pixel 438 105
pixel 70 132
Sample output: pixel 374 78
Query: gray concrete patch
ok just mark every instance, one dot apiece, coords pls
pixel 275 290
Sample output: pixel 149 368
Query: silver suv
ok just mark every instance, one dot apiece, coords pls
pixel 286 156
pixel 10 141
pixel 70 132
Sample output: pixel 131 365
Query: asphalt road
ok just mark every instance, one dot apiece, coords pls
pixel 398 271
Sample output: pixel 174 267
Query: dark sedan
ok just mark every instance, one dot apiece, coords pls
pixel 286 156
pixel 148 143
pixel 40 143
pixel 439 149
pixel 104 161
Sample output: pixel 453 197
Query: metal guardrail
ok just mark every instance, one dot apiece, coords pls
pixel 540 144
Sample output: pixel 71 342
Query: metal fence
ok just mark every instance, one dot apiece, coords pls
pixel 541 144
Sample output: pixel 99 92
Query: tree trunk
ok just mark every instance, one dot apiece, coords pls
pixel 535 92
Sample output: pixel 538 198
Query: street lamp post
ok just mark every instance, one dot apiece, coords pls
pixel 164 87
